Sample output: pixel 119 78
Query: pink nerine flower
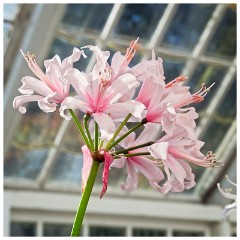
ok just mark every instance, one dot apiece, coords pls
pixel 141 164
pixel 105 92
pixel 87 163
pixel 229 208
pixel 49 89
pixel 172 151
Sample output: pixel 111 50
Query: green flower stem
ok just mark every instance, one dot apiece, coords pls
pixel 86 118
pixel 84 200
pixel 118 131
pixel 135 154
pixel 126 134
pixel 135 147
pixel 96 137
pixel 79 128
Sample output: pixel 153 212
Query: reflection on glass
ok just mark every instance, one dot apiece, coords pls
pixel 88 16
pixel 107 231
pixel 187 25
pixel 68 168
pixel 144 232
pixel 207 74
pixel 187 233
pixel 224 42
pixel 24 164
pixel 51 229
pixel 139 20
pixel 22 229
pixel 36 128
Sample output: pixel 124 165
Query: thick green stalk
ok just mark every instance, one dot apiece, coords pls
pixel 79 128
pixel 84 200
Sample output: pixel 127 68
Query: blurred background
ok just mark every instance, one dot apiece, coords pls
pixel 42 152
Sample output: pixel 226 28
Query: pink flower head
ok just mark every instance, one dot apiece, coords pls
pixel 104 93
pixel 87 163
pixel 150 70
pixel 171 151
pixel 50 88
pixel 141 164
pixel 166 104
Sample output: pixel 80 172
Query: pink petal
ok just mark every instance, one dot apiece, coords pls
pixel 127 141
pixel 118 163
pixel 20 100
pixel 87 163
pixel 31 85
pixel 132 179
pixel 159 150
pixel 79 82
pixel 122 85
pixel 72 103
pixel 106 125
pixel 176 169
pixel 150 133
pixel 118 111
pixel 117 61
pixel 148 168
pixel 67 63
pixel 107 163
pixel 47 106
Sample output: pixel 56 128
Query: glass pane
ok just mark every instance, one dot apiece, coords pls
pixel 7 28
pixel 187 25
pixel 71 143
pixel 172 68
pixel 88 16
pixel 22 229
pixel 10 11
pixel 139 20
pixel 107 231
pixel 221 121
pixel 224 42
pixel 36 128
pixel 68 168
pixel 24 164
pixel 187 233
pixel 148 232
pixel 64 48
pixel 57 229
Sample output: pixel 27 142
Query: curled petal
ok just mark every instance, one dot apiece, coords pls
pixel 228 209
pixel 45 104
pixel 20 100
pixel 159 150
pixel 107 163
pixel 72 103
pixel 87 163
pixel 31 85
pixel 67 63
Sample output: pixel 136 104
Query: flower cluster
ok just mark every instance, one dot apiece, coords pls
pixel 113 94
